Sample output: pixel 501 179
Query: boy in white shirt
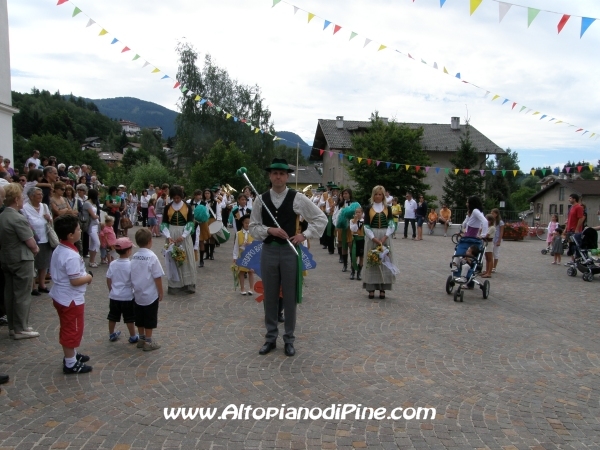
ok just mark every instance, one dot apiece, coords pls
pixel 68 292
pixel 146 278
pixel 118 280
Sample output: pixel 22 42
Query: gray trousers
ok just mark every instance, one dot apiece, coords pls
pixel 18 279
pixel 278 268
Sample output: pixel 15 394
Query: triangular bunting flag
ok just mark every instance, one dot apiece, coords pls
pixel 437 170
pixel 568 169
pixel 482 172
pixel 177 85
pixel 514 104
pixel 442 3
pixel 368 162
pixel 90 23
pixel 156 70
pixel 556 170
pixel 60 2
pixel 388 164
pixel 209 103
pixel 235 119
pixel 146 64
pixel 251 126
pixel 447 170
pixel 311 16
pixel 435 66
pixel 378 163
pixel 445 70
pixel 359 160
pixel 228 116
pixel 326 24
pixel 505 100
pixel 495 97
pixel 585 24
pixel 295 9
pixel 466 171
pixel 102 32
pixel 503 9
pixel 579 168
pixel 381 47
pixel 114 41
pixel 197 98
pixel 275 2
pixel 560 121
pixel 341 155
pixel 532 172
pixel 256 130
pixel 456 171
pixel 164 76
pixel 531 15
pixel 457 75
pixel 397 166
pixel 203 101
pixel 522 108
pixel 515 172
pixel 427 169
pixel 563 21
pixel 474 5
pixel 592 135
pixel 350 157
pixel 579 130
pixel 330 154
pixel 410 56
pixel 353 35
pixel 136 57
pixel 76 11
pixel 321 152
pixel 336 29
pixel 125 49
pixel 407 166
pixel 423 61
pixel 417 168
pixel 543 116
pixel 367 41
pixel 503 172
pixel 537 112
pixel 543 172
pixel 494 172
pixel 591 168
pixel 486 94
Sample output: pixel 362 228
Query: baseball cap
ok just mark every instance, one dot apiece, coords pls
pixel 123 243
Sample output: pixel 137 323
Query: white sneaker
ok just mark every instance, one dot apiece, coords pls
pixel 461 280
pixel 26 335
pixel 445 235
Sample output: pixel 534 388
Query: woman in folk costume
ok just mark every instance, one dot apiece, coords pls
pixel 177 227
pixel 329 202
pixel 379 226
pixel 344 236
pixel 243 238
pixel 211 204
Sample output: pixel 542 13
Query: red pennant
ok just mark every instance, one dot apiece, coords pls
pixel 244 120
pixel 60 2
pixel 579 168
pixel 209 103
pixel 321 152
pixel 369 162
pixel 409 53
pixel 565 18
pixel 466 171
pixel 126 49
pixel 417 168
pixel 579 130
pixel 336 29
pixel 514 104
pixel 177 85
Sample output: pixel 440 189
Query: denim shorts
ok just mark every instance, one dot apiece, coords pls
pixel 420 220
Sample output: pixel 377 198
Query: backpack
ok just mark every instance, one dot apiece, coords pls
pixel 84 219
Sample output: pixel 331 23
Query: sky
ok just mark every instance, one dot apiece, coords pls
pixel 307 73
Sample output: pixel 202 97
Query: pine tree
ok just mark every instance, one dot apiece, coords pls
pixel 468 181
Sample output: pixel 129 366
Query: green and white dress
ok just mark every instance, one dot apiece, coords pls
pixel 379 222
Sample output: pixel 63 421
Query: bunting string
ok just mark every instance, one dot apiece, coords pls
pixel 548 118
pixel 446 170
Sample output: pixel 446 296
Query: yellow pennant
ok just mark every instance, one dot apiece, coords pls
pixel 532 171
pixel 445 71
pixel 591 168
pixel 156 70
pixel 593 134
pixel 537 112
pixel 456 171
pixel 515 172
pixel 359 160
pixel 197 98
pixel 556 123
pixel 495 97
pixel 407 166
pixel 103 32
pixel 228 115
pixel 256 130
pixel 474 5
pixel 381 47
pixel 311 16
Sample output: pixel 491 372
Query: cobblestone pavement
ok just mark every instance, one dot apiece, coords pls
pixel 519 370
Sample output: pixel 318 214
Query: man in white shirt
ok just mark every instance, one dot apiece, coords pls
pixel 35 158
pixel 410 207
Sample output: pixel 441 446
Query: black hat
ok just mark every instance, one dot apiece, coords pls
pixel 279 164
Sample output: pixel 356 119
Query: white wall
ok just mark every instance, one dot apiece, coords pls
pixel 6 111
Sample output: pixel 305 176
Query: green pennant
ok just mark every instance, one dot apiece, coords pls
pixel 353 35
pixel 543 172
pixel 503 172
pixel 76 11
pixel 136 57
pixel 397 166
pixel 350 157
pixel 275 2
pixel 447 170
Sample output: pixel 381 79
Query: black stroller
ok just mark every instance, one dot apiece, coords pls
pixel 471 279
pixel 584 262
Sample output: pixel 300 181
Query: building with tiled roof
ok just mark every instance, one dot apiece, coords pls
pixel 440 141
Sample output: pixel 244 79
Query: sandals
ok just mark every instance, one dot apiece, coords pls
pixel 381 294
pixel 93 265
pixel 371 294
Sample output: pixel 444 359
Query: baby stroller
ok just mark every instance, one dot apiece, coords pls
pixel 472 276
pixel 584 262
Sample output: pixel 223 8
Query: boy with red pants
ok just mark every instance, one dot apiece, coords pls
pixel 68 292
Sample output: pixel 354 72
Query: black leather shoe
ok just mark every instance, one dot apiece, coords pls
pixel 3 379
pixel 280 319
pixel 201 264
pixel 35 292
pixel 267 348
pixel 289 350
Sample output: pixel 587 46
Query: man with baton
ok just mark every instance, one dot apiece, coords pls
pixel 274 220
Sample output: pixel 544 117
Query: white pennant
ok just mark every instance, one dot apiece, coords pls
pixel 367 41
pixel 146 64
pixel 435 65
pixel 296 9
pixel 503 9
pixel 90 23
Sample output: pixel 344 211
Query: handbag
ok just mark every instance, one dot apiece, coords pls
pixel 84 223
pixel 52 237
pixel 126 223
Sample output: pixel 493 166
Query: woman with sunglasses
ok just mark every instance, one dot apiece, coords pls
pixel 58 203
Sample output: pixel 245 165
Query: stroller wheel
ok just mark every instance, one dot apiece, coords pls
pixel 572 271
pixel 544 252
pixel 588 277
pixel 486 289
pixel 456 294
pixel 462 296
pixel 449 285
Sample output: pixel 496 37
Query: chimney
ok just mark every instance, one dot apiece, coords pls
pixel 455 123
pixel 339 122
pixel 384 120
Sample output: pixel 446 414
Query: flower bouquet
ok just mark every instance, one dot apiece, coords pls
pixel 374 257
pixel 179 256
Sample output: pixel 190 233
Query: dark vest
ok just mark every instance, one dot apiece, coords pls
pixel 285 215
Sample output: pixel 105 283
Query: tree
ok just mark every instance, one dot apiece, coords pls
pixel 388 142
pixel 467 181
pixel 498 187
pixel 132 157
pixel 142 175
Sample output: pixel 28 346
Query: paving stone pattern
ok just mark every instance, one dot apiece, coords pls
pixel 517 371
